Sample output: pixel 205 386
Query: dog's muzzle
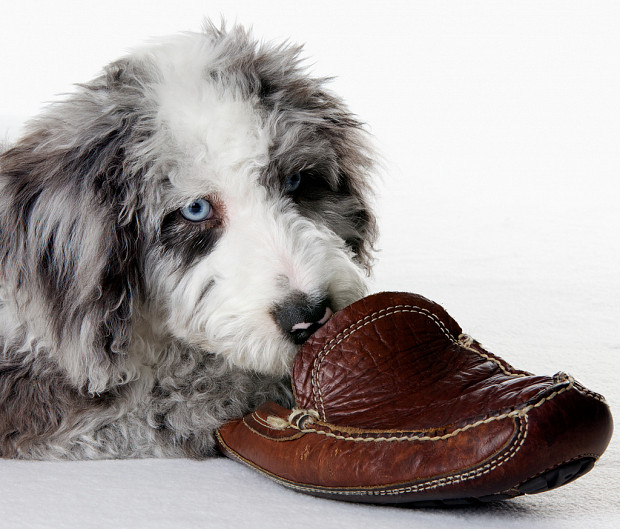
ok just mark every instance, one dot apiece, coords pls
pixel 300 315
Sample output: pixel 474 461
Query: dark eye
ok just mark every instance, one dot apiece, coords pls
pixel 198 210
pixel 292 183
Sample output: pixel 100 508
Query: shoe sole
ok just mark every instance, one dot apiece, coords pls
pixel 548 480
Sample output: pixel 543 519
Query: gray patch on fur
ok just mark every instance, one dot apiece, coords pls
pixel 78 375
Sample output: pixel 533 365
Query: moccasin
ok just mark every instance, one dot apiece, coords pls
pixel 394 404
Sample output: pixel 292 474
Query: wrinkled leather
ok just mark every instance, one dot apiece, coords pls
pixel 400 406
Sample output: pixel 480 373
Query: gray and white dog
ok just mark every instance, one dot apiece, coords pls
pixel 169 234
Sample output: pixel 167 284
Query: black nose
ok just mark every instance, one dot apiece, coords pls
pixel 299 315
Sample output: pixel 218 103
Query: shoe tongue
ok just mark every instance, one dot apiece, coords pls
pixel 393 360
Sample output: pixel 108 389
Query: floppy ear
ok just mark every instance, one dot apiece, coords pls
pixel 69 243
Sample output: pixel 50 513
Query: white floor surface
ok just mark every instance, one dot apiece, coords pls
pixel 499 201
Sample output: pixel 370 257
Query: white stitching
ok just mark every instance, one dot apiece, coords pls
pixel 443 482
pixel 427 485
pixel 438 482
pixel 588 393
pixel 503 368
pixel 515 413
pixel 262 421
pixel 485 469
pixel 375 316
pixel 354 327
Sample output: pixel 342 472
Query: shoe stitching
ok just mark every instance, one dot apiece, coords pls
pixel 268 437
pixel 588 393
pixel 465 476
pixel 371 318
pixel 427 485
pixel 504 368
pixel 353 328
pixel 422 438
pixel 263 422
pixel 520 417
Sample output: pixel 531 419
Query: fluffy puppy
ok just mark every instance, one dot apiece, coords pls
pixel 169 234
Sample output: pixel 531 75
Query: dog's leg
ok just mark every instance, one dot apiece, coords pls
pixel 170 412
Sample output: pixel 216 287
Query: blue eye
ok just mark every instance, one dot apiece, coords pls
pixel 198 210
pixel 292 183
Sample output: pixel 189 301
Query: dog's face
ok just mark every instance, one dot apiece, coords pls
pixel 228 194
pixel 257 224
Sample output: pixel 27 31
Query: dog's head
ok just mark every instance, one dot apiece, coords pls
pixel 204 189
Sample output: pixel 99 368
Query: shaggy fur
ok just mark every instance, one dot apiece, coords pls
pixel 127 330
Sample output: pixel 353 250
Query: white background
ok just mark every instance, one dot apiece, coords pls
pixel 499 127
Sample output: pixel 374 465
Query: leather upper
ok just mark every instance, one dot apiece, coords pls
pixel 395 403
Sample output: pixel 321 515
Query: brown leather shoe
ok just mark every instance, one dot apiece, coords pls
pixel 395 404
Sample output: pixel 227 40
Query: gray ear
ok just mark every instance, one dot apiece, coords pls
pixel 69 245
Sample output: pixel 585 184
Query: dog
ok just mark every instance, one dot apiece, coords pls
pixel 170 234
